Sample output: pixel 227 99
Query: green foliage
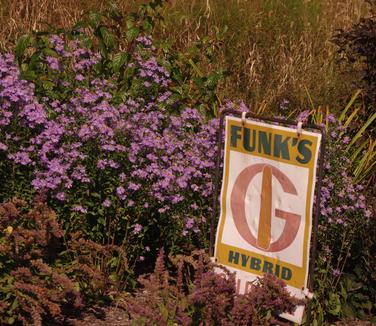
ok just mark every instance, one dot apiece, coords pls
pixel 361 147
pixel 358 129
pixel 343 282
pixel 21 46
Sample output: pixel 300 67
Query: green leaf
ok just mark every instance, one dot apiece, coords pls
pixel 351 117
pixel 147 25
pixel 132 33
pixel 114 11
pixel 361 130
pixel 164 311
pixel 48 85
pixel 94 19
pixel 358 150
pixel 334 304
pixel 195 68
pixel 352 100
pixel 79 25
pixel 348 311
pixel 103 49
pixel 14 305
pixel 310 98
pixel 22 44
pixel 29 75
pixel 108 37
pixel 130 22
pixel 50 52
pixel 119 60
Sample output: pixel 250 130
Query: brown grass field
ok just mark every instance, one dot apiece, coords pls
pixel 272 49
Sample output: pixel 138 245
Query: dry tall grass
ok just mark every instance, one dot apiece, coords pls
pixel 273 49
pixel 22 16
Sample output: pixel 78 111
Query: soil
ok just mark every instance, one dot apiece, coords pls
pixel 102 316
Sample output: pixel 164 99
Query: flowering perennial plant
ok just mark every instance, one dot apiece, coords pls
pixel 345 221
pixel 107 166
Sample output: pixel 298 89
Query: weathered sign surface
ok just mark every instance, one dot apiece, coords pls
pixel 266 203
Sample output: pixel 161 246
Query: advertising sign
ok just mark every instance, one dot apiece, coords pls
pixel 266 204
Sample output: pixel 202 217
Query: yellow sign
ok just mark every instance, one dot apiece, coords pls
pixel 266 202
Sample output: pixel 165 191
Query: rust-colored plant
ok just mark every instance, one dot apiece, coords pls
pixel 31 287
pixel 194 294
pixel 44 279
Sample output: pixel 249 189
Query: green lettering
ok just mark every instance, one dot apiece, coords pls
pixel 247 140
pixel 268 267
pixel 244 260
pixel 264 142
pixel 276 272
pixel 233 257
pixel 304 151
pixel 281 147
pixel 235 135
pixel 286 273
pixel 255 263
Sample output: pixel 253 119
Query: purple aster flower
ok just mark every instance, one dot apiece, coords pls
pixel 53 63
pixel 162 210
pixel 346 139
pixel 106 203
pixel 3 147
pixel 60 196
pixel 336 272
pixel 120 192
pixel 101 164
pixel 80 209
pixel 284 105
pixel 20 158
pixel 190 222
pixel 194 206
pixel 137 228
pixel 133 186
pixel 303 116
pixel 331 118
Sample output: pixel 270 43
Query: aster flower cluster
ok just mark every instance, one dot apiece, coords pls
pixel 343 202
pixel 87 151
pixel 345 217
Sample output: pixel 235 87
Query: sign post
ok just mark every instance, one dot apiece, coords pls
pixel 265 222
